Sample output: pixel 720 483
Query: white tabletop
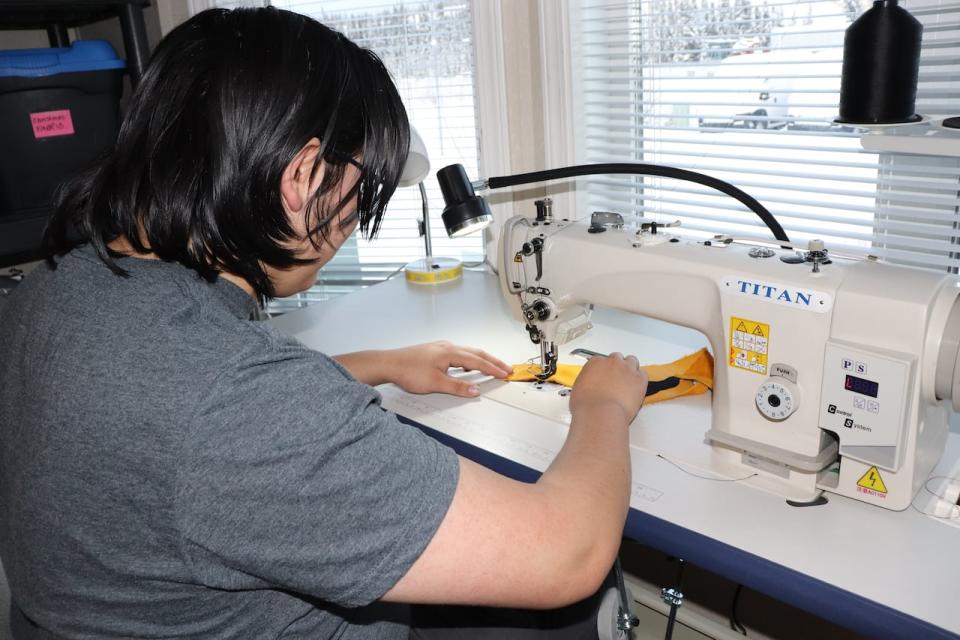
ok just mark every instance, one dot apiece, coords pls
pixel 903 561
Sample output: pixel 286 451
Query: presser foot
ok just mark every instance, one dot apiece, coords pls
pixel 548 360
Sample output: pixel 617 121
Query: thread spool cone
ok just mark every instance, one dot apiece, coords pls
pixel 881 60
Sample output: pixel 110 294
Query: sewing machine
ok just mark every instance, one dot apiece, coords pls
pixel 831 373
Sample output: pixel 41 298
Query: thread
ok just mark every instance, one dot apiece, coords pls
pixel 881 61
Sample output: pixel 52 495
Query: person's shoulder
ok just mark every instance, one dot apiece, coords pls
pixel 273 384
pixel 278 357
pixel 262 338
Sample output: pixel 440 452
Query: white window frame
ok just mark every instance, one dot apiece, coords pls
pixel 556 68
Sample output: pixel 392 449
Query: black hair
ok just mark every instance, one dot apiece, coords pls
pixel 226 102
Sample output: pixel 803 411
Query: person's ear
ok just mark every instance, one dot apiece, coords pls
pixel 295 180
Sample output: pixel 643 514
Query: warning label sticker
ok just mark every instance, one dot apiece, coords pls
pixel 872 484
pixel 749 345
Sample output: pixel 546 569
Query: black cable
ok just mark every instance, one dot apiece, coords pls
pixel 734 619
pixel 637 168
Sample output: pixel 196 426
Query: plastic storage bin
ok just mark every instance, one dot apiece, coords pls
pixel 59 109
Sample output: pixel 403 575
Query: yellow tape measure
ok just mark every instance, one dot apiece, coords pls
pixel 434 271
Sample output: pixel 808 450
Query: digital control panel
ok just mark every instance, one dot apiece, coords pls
pixel 863 400
pixel 862 386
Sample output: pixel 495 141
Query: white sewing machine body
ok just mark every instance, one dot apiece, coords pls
pixel 832 376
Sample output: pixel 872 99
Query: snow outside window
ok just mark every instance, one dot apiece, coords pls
pixel 746 91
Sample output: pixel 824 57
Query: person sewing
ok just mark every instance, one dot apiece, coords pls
pixel 169 467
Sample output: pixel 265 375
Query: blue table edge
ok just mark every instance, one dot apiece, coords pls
pixel 819 598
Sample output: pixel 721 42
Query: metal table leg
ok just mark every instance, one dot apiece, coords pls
pixel 134 39
pixel 57 35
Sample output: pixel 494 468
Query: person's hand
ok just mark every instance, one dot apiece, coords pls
pixel 611 381
pixel 423 368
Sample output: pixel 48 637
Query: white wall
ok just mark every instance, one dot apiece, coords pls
pixel 23 39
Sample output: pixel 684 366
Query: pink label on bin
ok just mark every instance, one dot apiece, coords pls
pixel 47 124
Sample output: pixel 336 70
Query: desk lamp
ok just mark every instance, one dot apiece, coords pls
pixel 429 269
pixel 467 212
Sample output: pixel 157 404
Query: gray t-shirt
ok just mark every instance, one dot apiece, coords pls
pixel 171 468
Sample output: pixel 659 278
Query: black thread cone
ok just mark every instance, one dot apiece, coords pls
pixel 881 58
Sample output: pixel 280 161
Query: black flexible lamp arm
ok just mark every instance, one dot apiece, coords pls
pixel 453 177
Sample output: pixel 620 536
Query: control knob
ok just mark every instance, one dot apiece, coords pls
pixel 777 398
pixel 539 310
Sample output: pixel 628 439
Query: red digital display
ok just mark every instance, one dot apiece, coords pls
pixel 862 386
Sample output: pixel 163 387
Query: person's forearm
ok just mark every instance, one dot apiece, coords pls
pixel 369 367
pixel 590 480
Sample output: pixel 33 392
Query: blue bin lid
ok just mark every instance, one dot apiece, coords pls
pixel 82 55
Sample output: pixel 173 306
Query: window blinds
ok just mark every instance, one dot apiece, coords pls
pixel 746 91
pixel 427 46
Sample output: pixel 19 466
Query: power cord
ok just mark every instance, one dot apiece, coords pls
pixel 666 459
pixel 734 618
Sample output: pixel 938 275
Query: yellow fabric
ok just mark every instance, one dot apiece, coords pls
pixel 695 372
pixel 566 373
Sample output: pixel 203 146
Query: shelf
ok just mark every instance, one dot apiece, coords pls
pixel 57 17
pixel 926 138
pixel 30 14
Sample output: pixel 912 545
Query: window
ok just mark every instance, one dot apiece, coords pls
pixel 746 91
pixel 427 46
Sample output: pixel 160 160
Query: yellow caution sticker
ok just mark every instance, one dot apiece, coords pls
pixel 749 345
pixel 871 483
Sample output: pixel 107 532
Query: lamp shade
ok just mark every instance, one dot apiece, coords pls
pixel 466 212
pixel 418 162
